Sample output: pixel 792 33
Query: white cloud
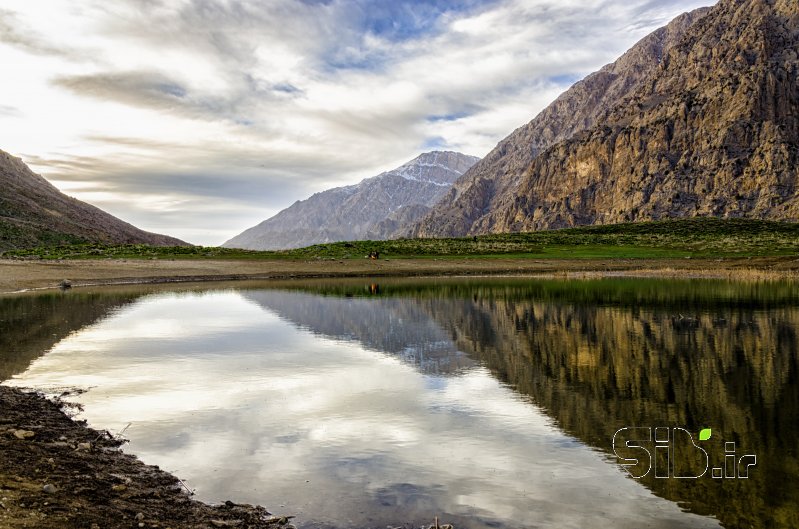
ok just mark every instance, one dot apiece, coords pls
pixel 267 102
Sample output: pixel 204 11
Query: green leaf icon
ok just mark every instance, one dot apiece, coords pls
pixel 704 435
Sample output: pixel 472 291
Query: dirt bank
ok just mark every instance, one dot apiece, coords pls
pixel 20 275
pixel 56 473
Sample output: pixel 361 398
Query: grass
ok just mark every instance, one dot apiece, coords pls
pixel 683 238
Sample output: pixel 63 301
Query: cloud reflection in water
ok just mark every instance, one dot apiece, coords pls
pixel 341 411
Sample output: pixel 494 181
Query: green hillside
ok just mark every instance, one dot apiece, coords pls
pixel 696 238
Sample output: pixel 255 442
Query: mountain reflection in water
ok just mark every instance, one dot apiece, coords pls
pixel 486 403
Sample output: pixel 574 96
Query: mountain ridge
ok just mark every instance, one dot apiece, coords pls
pixel 714 131
pixel 33 212
pixel 587 102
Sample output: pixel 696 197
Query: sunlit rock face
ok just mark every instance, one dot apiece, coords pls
pixel 380 207
pixel 700 118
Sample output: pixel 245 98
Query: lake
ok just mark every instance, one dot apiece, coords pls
pixel 484 402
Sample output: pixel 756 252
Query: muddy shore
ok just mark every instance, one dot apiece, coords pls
pixel 16 275
pixel 57 473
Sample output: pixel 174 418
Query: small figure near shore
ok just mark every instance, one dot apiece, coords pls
pixel 65 284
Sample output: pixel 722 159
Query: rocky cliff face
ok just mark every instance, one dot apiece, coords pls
pixel 34 213
pixel 376 208
pixel 714 131
pixel 588 102
pixel 709 129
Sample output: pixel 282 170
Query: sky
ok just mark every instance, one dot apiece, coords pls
pixel 201 118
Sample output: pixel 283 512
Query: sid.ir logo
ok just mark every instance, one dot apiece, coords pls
pixel 672 453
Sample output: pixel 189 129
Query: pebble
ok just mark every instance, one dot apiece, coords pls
pixel 140 516
pixel 50 489
pixel 23 434
pixel 84 446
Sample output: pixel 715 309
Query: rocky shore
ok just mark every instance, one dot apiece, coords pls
pixel 57 473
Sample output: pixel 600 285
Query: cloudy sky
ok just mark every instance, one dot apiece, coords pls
pixel 200 118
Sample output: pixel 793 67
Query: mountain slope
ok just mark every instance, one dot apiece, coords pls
pixel 34 213
pixel 712 130
pixel 375 208
pixel 585 104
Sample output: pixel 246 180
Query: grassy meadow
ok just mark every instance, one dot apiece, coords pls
pixel 669 239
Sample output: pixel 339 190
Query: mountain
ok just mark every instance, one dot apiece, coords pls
pixel 585 104
pixel 703 121
pixel 34 213
pixel 375 208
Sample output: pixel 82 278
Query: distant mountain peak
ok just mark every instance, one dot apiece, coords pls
pixel 379 207
pixel 423 168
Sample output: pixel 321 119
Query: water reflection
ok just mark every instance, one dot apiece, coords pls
pixel 486 403
pixel 31 325
pixel 387 325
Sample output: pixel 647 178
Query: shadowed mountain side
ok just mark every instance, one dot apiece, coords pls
pixel 595 369
pixel 31 325
pixel 480 190
pixel 34 213
pixel 385 325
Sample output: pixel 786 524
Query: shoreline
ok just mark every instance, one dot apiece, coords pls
pixel 56 472
pixel 30 275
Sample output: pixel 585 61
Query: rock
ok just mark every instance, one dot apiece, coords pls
pixel 24 434
pixel 119 488
pixel 85 447
pixel 140 516
pixel 65 284
pixel 50 489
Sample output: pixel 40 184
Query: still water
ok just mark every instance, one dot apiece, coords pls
pixel 487 403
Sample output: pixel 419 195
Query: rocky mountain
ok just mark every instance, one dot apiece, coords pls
pixel 585 104
pixel 34 213
pixel 376 208
pixel 702 119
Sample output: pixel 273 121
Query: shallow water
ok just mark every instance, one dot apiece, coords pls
pixel 485 403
